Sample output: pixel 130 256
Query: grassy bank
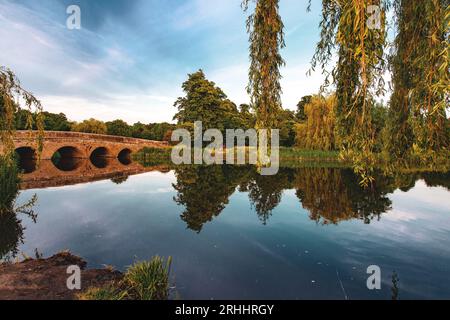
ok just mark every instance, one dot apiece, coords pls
pixel 157 156
pixel 147 280
pixel 295 157
pixel 300 154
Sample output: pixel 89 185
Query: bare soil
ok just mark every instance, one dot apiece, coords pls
pixel 46 279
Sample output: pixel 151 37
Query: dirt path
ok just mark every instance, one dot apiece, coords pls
pixel 45 279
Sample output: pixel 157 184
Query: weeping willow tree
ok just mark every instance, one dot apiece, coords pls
pixel 266 37
pixel 11 96
pixel 317 132
pixel 420 66
pixel 356 30
pixel 400 135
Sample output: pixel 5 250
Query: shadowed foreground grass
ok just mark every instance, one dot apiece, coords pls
pixel 147 280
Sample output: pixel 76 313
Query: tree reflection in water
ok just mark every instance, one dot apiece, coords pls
pixel 334 195
pixel 11 229
pixel 331 195
pixel 204 191
pixel 265 192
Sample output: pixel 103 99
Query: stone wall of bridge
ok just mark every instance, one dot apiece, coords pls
pixel 82 145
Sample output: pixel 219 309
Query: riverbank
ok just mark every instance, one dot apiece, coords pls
pixel 46 279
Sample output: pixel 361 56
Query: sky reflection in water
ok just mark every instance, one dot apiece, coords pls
pixel 303 234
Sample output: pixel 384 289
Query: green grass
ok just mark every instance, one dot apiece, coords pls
pixel 108 293
pixel 295 153
pixel 146 280
pixel 149 280
pixel 153 156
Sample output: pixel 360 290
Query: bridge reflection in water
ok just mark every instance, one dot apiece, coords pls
pixel 70 171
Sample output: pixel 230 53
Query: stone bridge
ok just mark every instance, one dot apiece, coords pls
pixel 79 145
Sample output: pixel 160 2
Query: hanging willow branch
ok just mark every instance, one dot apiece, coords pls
pixel 420 66
pixel 11 95
pixel 266 36
pixel 357 75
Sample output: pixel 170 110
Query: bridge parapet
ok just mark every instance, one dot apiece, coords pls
pixel 82 145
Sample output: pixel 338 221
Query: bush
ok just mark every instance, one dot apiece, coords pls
pixel 9 182
pixel 149 280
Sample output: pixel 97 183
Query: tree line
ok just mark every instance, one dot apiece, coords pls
pixel 59 122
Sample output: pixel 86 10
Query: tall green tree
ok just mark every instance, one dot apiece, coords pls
pixel 118 128
pixel 90 126
pixel 266 37
pixel 300 113
pixel 206 102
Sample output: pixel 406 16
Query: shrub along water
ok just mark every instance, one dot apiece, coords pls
pixel 147 280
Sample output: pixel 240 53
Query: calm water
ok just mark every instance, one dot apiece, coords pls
pixel 307 233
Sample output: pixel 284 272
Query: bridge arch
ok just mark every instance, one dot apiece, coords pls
pixel 100 157
pixel 69 152
pixel 100 152
pixel 67 158
pixel 26 157
pixel 124 156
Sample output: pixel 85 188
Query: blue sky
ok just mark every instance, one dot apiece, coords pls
pixel 131 56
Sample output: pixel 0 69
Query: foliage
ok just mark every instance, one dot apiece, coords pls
pixel 204 101
pixel 11 229
pixel 300 113
pixel 10 92
pixel 265 29
pixel 9 183
pixel 90 126
pixel 357 74
pixel 147 280
pixel 286 123
pixel 317 132
pixel 247 116
pixel 108 293
pixel 153 156
pixel 266 37
pixel 52 121
pixel 420 65
pixel 303 154
pixel 118 128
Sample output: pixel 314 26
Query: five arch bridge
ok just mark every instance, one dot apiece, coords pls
pixel 79 145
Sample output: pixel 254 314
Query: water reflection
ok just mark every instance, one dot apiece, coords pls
pixel 67 164
pixel 330 195
pixel 204 191
pixel 11 229
pixel 69 171
pixel 334 195
pixel 236 234
pixel 99 162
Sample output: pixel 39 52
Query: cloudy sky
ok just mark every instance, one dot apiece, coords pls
pixel 130 57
